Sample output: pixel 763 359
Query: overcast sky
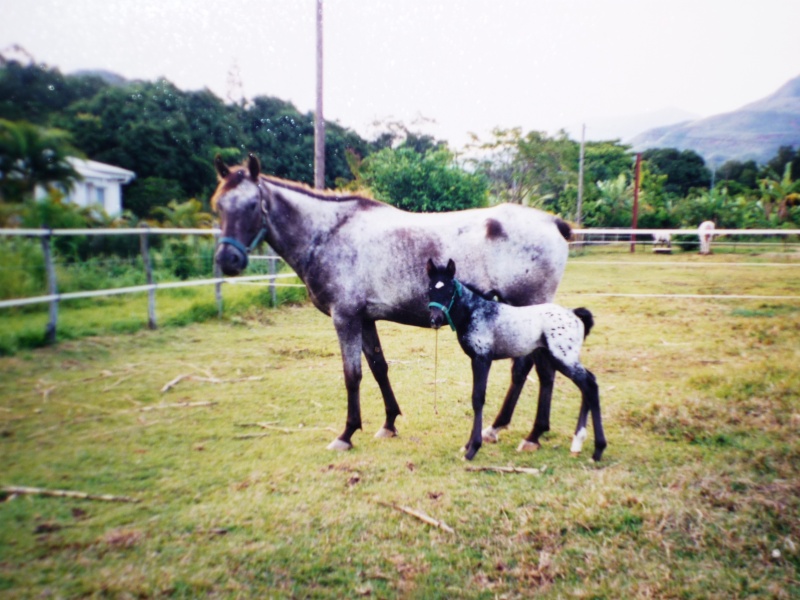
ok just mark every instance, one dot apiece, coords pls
pixel 468 65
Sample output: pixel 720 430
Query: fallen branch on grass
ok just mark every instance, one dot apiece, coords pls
pixel 250 436
pixel 14 490
pixel 419 515
pixel 173 405
pixel 526 470
pixel 171 384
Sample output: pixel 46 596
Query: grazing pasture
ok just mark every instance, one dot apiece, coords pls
pixel 698 493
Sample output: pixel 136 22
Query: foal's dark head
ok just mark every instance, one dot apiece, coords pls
pixel 442 290
pixel 237 201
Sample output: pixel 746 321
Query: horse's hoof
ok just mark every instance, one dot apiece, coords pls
pixel 528 446
pixel 340 446
pixel 490 435
pixel 578 439
pixel 385 433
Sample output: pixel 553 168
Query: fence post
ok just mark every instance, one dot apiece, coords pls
pixel 148 270
pixel 272 268
pixel 52 290
pixel 217 275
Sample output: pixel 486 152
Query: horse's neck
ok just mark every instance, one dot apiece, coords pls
pixel 299 222
pixel 465 306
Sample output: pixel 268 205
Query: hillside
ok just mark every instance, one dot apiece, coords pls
pixel 755 131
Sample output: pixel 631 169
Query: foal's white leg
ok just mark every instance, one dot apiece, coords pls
pixel 577 441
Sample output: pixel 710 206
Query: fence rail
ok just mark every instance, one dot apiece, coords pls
pixel 53 297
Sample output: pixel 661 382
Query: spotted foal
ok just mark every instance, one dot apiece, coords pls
pixel 489 330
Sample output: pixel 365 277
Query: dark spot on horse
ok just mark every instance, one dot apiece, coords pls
pixel 564 229
pixel 494 230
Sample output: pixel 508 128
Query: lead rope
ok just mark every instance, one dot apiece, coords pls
pixel 436 372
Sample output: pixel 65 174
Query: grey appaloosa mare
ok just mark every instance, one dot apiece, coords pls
pixel 360 260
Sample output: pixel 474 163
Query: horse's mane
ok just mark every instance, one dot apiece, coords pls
pixel 238 174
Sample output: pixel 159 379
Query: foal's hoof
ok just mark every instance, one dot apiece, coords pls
pixel 577 441
pixel 490 435
pixel 339 445
pixel 528 446
pixel 385 433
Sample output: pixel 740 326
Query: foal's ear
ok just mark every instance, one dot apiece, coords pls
pixel 222 170
pixel 430 268
pixel 451 268
pixel 253 166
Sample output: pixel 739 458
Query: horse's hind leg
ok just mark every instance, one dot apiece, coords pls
pixel 371 345
pixel 590 392
pixel 520 367
pixel 546 371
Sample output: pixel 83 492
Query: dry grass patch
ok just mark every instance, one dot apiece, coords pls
pixel 697 495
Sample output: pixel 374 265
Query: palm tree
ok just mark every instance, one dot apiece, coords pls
pixel 188 215
pixel 31 155
pixel 780 195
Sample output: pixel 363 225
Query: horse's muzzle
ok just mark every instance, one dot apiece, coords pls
pixel 437 318
pixel 231 260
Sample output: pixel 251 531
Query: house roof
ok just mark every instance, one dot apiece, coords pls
pixel 91 169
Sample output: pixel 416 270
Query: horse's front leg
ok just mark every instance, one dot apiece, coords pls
pixel 520 367
pixel 371 346
pixel 480 375
pixel 349 329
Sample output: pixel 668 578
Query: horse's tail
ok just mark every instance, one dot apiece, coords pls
pixel 564 229
pixel 588 320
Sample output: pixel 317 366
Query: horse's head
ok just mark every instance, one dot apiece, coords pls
pixel 237 201
pixel 442 291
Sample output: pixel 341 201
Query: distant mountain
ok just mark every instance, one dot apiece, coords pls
pixel 627 127
pixel 755 131
pixel 109 77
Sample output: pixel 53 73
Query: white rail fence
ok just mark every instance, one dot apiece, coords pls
pixel 53 297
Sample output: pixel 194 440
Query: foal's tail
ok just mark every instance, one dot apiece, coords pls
pixel 588 320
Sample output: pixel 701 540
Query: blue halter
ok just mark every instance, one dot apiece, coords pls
pixel 446 309
pixel 259 237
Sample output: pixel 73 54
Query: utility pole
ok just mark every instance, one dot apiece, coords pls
pixel 319 120
pixel 580 178
pixel 636 181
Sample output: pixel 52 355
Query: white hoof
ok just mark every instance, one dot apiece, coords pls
pixel 577 441
pixel 526 446
pixel 339 445
pixel 489 435
pixel 385 433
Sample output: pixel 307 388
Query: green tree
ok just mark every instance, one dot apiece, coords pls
pixel 779 195
pixel 188 215
pixel 31 155
pixel 684 170
pixel 430 182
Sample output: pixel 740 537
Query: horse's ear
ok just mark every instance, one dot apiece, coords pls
pixel 451 268
pixel 253 166
pixel 222 170
pixel 430 268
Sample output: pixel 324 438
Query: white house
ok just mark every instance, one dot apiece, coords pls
pixel 101 185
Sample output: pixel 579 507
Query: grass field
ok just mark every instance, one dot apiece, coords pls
pixel 697 496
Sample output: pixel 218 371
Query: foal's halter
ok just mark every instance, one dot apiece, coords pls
pixel 446 309
pixel 262 232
